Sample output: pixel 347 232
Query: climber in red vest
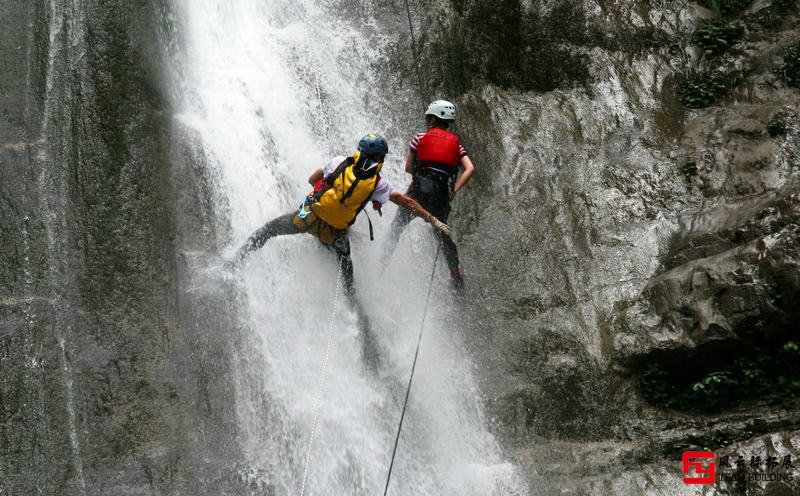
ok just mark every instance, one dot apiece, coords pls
pixel 342 188
pixel 435 158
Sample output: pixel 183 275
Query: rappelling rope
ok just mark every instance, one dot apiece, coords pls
pixel 333 312
pixel 413 367
pixel 433 269
pixel 318 399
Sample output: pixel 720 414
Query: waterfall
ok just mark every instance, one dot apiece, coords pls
pixel 271 90
pixel 64 62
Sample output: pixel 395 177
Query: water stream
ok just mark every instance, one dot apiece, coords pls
pixel 271 90
pixel 64 62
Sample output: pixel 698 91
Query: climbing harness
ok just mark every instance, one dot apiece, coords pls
pixel 318 399
pixel 413 367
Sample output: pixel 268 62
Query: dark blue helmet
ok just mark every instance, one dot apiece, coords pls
pixel 373 144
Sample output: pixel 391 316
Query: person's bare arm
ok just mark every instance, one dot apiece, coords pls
pixel 465 176
pixel 315 176
pixel 410 204
pixel 410 162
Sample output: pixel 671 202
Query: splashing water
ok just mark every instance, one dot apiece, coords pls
pixel 271 91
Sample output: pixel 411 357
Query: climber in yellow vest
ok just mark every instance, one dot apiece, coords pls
pixel 342 188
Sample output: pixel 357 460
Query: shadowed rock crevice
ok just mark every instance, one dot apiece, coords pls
pixel 723 375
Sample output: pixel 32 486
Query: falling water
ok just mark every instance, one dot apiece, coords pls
pixel 271 90
pixel 66 25
pixel 66 370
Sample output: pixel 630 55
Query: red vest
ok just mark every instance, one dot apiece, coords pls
pixel 439 147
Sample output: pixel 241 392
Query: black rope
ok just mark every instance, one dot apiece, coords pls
pixel 433 270
pixel 413 367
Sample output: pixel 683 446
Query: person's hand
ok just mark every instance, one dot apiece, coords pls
pixel 436 223
pixel 231 262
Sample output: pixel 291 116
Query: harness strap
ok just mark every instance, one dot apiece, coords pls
pixel 349 190
pixel 329 181
pixel 439 169
pixel 338 170
pixel 369 221
pixel 437 175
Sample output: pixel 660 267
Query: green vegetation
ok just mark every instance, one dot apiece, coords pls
pixel 702 91
pixel 765 374
pixel 769 17
pixel 773 16
pixel 776 127
pixel 789 70
pixel 725 7
pixel 716 37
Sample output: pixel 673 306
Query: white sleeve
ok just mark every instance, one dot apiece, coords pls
pixel 382 191
pixel 331 165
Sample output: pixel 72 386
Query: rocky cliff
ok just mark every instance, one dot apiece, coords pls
pixel 632 234
pixel 111 378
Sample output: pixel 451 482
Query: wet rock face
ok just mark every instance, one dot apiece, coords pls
pixel 527 46
pixel 738 479
pixel 744 291
pixel 31 398
pixel 631 239
pixel 108 373
pixel 509 51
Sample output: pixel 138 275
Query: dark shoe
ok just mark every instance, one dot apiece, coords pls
pixel 458 277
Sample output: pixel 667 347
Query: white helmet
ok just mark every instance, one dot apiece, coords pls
pixel 442 109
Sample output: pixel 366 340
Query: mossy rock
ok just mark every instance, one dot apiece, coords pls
pixel 789 70
pixel 784 5
pixel 715 38
pixel 701 91
pixel 776 127
pixel 725 7
pixel 769 18
pixel 689 170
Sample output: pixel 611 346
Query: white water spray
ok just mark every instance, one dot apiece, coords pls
pixel 272 89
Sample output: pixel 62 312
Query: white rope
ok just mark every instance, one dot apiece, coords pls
pixel 318 399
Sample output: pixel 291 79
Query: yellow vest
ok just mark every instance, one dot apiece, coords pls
pixel 341 213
